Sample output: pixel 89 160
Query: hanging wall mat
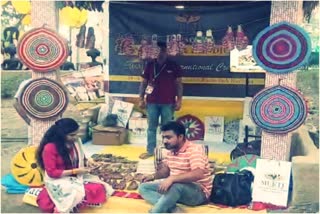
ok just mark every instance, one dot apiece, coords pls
pixel 282 48
pixel 278 109
pixel 44 98
pixel 42 50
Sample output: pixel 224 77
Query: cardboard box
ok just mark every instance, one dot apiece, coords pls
pixel 109 135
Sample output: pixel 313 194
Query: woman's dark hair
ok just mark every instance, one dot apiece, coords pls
pixel 57 134
pixel 174 126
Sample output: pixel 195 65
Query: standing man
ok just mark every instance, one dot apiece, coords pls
pixel 163 85
pixel 186 172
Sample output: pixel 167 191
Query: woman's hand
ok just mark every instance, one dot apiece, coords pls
pixel 81 170
pixel 91 163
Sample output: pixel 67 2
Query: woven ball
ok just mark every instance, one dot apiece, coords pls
pixel 282 48
pixel 44 98
pixel 278 109
pixel 25 169
pixel 42 50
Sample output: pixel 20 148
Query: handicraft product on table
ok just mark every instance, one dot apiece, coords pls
pixel 24 167
pixel 278 109
pixel 282 48
pixel 44 98
pixel 117 171
pixel 42 50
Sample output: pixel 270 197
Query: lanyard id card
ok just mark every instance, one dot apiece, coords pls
pixel 149 89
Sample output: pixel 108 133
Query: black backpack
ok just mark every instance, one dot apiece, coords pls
pixel 253 147
pixel 232 189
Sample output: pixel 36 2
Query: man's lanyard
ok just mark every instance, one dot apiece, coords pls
pixel 155 74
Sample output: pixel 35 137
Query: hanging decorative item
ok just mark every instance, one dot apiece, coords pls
pixel 241 39
pixel 73 17
pixel 278 109
pixel 194 127
pixel 282 48
pixel 95 5
pixel 209 41
pixel 26 20
pixel 25 169
pixel 42 50
pixel 3 2
pixel 21 7
pixel 228 40
pixel 44 98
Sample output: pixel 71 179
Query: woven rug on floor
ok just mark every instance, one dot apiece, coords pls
pixel 127 205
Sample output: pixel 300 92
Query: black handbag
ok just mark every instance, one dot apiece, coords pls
pixel 232 189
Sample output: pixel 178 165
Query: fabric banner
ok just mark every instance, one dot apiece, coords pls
pixel 197 40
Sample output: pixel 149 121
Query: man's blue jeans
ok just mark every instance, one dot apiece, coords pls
pixel 154 111
pixel 189 194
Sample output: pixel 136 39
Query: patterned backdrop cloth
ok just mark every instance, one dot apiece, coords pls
pixel 282 48
pixel 278 109
pixel 44 98
pixel 42 50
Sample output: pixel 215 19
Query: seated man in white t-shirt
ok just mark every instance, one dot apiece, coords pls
pixel 20 109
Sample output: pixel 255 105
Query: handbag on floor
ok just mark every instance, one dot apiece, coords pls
pixel 232 189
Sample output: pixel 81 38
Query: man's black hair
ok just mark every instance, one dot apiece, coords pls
pixel 174 126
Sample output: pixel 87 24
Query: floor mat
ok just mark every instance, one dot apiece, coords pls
pixel 127 205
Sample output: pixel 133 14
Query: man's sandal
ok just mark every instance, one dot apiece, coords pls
pixel 145 155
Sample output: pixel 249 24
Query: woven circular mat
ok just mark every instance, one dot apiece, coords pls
pixel 42 50
pixel 24 167
pixel 278 109
pixel 194 127
pixel 282 48
pixel 44 98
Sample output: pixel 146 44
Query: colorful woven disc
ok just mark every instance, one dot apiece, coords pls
pixel 44 98
pixel 194 127
pixel 278 109
pixel 282 48
pixel 42 50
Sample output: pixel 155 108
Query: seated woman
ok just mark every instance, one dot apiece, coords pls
pixel 67 182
